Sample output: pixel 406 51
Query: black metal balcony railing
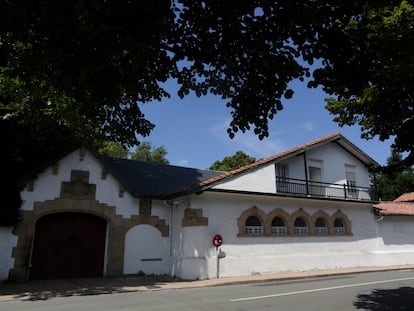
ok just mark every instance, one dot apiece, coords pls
pixel 327 190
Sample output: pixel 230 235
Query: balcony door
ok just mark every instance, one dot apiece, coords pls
pixel 282 178
pixel 351 181
pixel 315 178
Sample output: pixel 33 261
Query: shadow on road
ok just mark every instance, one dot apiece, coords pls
pixel 387 299
pixel 46 289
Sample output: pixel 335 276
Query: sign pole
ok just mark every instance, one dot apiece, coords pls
pixel 218 263
pixel 217 242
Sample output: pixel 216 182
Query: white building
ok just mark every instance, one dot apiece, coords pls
pixel 308 208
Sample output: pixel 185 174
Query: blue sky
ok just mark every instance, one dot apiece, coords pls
pixel 193 129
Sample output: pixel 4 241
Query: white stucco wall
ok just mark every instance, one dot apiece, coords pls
pixel 146 251
pixel 7 242
pixel 142 242
pixel 334 158
pixel 47 186
pixel 372 243
pixel 397 239
pixel 261 180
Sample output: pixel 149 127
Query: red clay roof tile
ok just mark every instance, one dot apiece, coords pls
pixel 406 197
pixel 395 208
pixel 288 152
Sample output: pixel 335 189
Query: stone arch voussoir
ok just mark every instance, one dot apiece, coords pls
pixel 25 231
pixel 253 211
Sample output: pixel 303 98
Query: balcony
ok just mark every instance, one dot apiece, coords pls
pixel 324 190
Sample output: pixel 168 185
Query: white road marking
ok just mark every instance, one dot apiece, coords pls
pixel 319 289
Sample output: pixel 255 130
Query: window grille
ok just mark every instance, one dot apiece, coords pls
pixel 253 225
pixel 339 227
pixel 300 226
pixel 278 226
pixel 320 227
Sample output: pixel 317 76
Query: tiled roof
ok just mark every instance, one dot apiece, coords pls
pixel 406 197
pixel 395 208
pixel 261 162
pixel 401 206
pixel 292 152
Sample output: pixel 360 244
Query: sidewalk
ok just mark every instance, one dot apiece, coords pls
pixel 43 290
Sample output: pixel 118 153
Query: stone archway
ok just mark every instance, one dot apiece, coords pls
pixel 78 197
pixel 26 229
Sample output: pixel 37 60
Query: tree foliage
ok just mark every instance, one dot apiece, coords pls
pixel 233 162
pixel 113 149
pixel 143 152
pixel 394 182
pixel 146 152
pixel 374 81
pixel 76 71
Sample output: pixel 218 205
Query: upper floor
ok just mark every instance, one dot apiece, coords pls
pixel 330 167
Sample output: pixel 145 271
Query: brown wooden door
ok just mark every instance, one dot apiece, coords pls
pixel 68 245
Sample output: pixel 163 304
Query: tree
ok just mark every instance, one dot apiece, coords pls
pixel 235 161
pixel 395 180
pixel 76 71
pixel 146 152
pixel 113 149
pixel 373 79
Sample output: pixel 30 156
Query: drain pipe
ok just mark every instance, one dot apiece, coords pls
pixel 170 206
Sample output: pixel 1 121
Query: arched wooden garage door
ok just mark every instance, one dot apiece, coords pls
pixel 68 245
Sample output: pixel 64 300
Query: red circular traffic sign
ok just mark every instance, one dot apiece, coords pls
pixel 217 240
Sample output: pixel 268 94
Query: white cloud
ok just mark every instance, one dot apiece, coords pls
pixel 308 126
pixel 249 142
pixel 262 148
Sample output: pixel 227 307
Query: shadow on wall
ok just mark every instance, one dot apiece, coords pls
pixel 386 299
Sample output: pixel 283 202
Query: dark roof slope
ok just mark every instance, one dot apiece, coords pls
pixel 145 179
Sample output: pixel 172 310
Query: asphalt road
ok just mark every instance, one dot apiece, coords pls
pixel 392 290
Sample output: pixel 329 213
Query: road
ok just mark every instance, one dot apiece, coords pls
pixel 391 290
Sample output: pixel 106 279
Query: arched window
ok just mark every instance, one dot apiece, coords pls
pixel 253 225
pixel 320 227
pixel 339 227
pixel 300 226
pixel 278 226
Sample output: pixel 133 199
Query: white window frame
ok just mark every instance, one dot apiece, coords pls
pixel 351 183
